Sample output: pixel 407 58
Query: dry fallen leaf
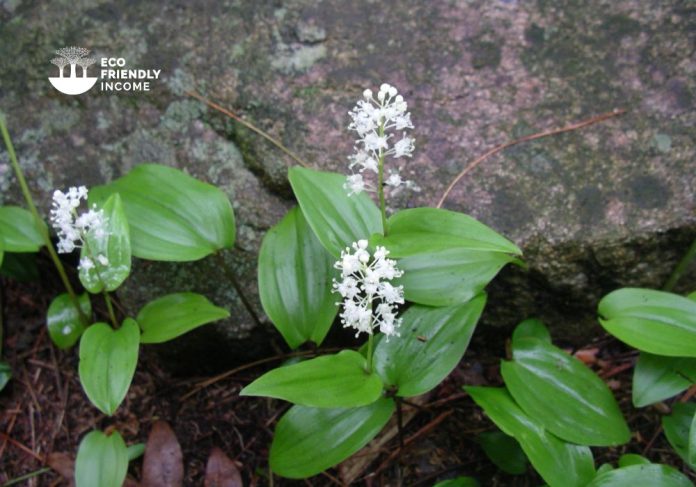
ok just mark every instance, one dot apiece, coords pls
pixel 221 471
pixel 163 464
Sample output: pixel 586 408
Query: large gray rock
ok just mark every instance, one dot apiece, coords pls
pixel 607 206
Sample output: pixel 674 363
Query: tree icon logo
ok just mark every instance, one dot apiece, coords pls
pixel 74 84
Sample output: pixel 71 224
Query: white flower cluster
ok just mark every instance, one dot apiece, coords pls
pixel 369 301
pixel 73 228
pixel 373 119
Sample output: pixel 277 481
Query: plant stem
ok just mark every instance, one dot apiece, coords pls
pixel 380 184
pixel 238 288
pixel 28 476
pixel 370 344
pixel 38 221
pixel 681 267
pixel 112 315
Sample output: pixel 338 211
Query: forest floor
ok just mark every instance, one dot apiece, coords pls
pixel 44 411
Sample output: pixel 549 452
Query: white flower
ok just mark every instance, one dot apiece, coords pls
pixel 375 120
pixel 67 329
pixel 369 301
pixel 73 228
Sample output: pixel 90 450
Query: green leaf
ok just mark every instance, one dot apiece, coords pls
pixel 652 321
pixel 2 250
pixel 559 463
pixel 657 378
pixel 447 257
pixel 101 460
pixel 691 450
pixel 108 359
pixel 19 231
pixel 172 216
pixel 295 281
pixel 628 459
pixel 65 327
pixel 337 219
pixel 173 315
pixel 136 451
pixel 5 374
pixel 677 428
pixel 329 381
pixel 531 328
pixel 308 440
pixel 504 451
pixel 432 342
pixel 652 475
pixel 458 482
pixel 563 395
pixel 115 247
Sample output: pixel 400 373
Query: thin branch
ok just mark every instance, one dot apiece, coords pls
pixel 250 126
pixel 575 126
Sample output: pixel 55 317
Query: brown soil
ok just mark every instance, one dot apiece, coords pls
pixel 43 410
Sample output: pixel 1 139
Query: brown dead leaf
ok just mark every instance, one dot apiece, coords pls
pixel 62 463
pixel 587 355
pixel 163 464
pixel 221 471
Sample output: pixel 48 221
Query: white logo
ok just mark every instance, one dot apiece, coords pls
pixel 74 84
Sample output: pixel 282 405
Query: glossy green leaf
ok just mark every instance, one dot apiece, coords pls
pixel 101 460
pixel 337 219
pixel 531 328
pixel 308 440
pixel 329 381
pixel 108 359
pixel 677 428
pixel 64 324
pixel 19 231
pixel 504 451
pixel 458 482
pixel 656 378
pixel 5 374
pixel 114 247
pixel 563 395
pixel 652 321
pixel 447 257
pixel 136 451
pixel 691 450
pixel 652 475
pixel 172 216
pixel 559 463
pixel 432 342
pixel 295 279
pixel 628 459
pixel 170 316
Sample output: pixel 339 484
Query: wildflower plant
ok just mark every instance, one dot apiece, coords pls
pixel 410 284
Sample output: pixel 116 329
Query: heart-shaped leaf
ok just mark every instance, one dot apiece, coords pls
pixel 653 475
pixel 559 463
pixel 336 218
pixel 101 460
pixel 295 278
pixel 172 216
pixel 432 342
pixel 531 328
pixel 504 451
pixel 328 381
pixel 65 325
pixel 173 315
pixel 652 321
pixel 221 471
pixel 310 440
pixel 657 378
pixel 562 394
pixel 677 428
pixel 628 459
pixel 19 231
pixel 108 359
pixel 109 257
pixel 163 463
pixel 447 257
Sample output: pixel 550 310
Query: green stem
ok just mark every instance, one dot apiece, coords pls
pixel 28 476
pixel 109 306
pixel 38 221
pixel 681 267
pixel 380 184
pixel 370 344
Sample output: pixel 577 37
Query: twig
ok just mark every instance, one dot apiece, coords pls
pixel 21 446
pixel 575 126
pixel 250 126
